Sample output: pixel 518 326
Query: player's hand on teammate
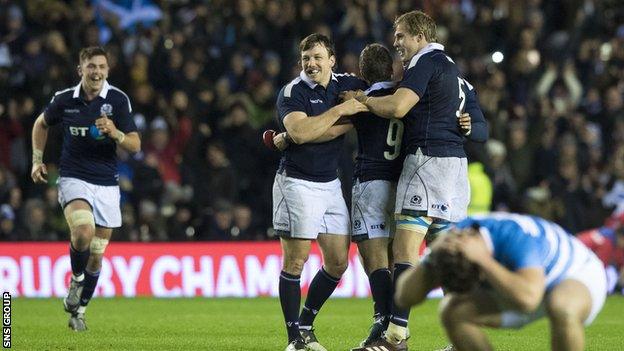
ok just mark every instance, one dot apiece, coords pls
pixel 39 173
pixel 465 124
pixel 351 107
pixel 105 125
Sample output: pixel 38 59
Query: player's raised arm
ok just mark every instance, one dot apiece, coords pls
pixel 524 287
pixel 129 141
pixel 39 139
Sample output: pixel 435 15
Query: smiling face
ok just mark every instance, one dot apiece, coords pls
pixel 94 71
pixel 407 45
pixel 317 64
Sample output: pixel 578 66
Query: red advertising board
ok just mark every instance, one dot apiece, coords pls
pixel 241 269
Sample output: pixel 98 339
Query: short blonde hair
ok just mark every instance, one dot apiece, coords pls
pixel 418 22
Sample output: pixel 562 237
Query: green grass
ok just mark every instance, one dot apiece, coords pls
pixel 253 324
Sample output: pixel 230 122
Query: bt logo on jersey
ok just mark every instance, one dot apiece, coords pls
pixel 84 131
pixel 78 131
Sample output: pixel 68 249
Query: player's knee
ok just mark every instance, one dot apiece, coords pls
pixel 561 312
pixel 294 265
pixel 82 227
pixel 336 268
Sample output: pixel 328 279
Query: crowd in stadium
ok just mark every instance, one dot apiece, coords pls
pixel 203 79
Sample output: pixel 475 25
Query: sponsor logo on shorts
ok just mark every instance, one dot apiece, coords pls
pixel 357 224
pixel 440 207
pixel 415 200
pixel 281 225
pixel 381 226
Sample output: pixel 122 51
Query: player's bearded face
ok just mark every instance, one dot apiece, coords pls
pixel 317 64
pixel 94 72
pixel 406 45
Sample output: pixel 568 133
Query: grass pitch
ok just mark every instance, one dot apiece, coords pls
pixel 254 324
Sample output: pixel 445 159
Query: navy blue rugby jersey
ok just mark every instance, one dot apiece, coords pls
pixel 431 124
pixel 316 162
pixel 379 141
pixel 87 154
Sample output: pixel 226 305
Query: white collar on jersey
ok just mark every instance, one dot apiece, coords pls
pixel 103 92
pixel 485 234
pixel 429 48
pixel 312 84
pixel 379 86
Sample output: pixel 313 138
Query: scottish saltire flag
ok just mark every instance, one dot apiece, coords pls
pixel 128 13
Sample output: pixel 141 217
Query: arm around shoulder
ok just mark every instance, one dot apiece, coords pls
pixel 396 105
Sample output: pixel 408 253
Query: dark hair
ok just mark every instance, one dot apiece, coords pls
pixel 455 272
pixel 314 39
pixel 418 22
pixel 375 63
pixel 89 52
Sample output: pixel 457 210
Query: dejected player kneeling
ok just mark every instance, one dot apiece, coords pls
pixel 507 270
pixel 95 117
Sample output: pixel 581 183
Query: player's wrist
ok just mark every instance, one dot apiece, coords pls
pixel 37 157
pixel 287 138
pixel 119 136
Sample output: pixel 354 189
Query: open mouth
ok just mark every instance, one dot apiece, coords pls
pixel 95 79
pixel 313 72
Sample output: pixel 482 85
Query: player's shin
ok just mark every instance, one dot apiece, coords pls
pixel 79 261
pixel 321 288
pixel 290 299
pixel 89 284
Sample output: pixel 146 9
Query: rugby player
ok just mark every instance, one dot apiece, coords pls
pixel 307 197
pixel 507 270
pixel 95 119
pixel 433 188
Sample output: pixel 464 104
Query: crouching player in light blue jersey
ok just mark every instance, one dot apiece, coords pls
pixel 95 119
pixel 504 271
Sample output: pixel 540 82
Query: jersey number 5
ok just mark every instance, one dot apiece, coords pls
pixel 395 135
pixel 462 96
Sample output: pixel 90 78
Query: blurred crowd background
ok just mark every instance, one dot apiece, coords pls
pixel 203 79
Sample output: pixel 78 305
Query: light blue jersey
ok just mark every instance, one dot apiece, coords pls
pixel 522 241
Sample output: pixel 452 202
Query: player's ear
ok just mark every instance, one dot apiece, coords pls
pixel 332 61
pixel 79 69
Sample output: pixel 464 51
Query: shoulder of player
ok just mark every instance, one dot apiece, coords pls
pixel 116 93
pixel 349 81
pixel 294 87
pixel 64 94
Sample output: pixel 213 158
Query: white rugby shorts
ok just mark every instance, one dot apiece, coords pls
pixel 372 209
pixel 103 199
pixel 436 185
pixel 589 272
pixel 303 209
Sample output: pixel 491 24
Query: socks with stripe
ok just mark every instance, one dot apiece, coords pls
pixel 381 289
pixel 400 316
pixel 290 299
pixel 321 288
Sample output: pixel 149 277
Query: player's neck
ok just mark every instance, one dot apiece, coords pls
pixel 90 94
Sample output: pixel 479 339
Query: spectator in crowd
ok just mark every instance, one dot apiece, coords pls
pixel 555 93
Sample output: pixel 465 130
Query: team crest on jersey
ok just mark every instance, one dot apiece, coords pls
pixel 106 109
